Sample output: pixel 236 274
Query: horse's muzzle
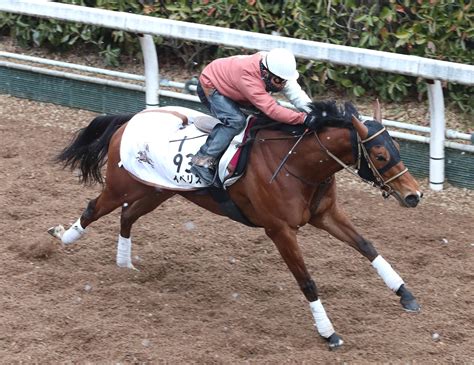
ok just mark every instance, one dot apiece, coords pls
pixel 412 200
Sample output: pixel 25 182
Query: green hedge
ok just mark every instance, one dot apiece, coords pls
pixel 438 29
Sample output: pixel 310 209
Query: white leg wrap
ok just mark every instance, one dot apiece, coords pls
pixel 322 322
pixel 389 276
pixel 124 252
pixel 73 233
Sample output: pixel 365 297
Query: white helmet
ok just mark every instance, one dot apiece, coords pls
pixel 281 63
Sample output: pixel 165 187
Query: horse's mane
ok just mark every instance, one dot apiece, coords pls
pixel 328 113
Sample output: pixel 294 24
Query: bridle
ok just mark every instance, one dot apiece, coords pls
pixel 362 153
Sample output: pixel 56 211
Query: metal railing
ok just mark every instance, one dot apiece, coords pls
pixel 426 68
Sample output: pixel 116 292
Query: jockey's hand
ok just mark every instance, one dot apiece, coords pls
pixel 310 122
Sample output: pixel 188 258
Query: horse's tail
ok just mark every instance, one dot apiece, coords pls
pixel 88 149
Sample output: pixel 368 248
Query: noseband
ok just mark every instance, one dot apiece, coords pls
pixel 363 154
pixel 377 173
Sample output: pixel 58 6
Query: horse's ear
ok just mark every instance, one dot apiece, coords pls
pixel 377 111
pixel 360 127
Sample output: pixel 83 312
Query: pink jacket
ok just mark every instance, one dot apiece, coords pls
pixel 239 78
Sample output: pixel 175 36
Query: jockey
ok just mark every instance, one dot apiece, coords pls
pixel 228 83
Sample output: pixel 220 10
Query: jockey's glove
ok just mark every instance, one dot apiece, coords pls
pixel 310 122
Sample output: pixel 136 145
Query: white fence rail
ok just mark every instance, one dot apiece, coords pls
pixel 137 82
pixel 375 60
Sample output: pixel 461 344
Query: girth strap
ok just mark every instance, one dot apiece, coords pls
pixel 228 207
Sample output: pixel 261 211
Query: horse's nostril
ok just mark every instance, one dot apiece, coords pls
pixel 412 200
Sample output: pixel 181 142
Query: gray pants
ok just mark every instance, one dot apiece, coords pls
pixel 232 122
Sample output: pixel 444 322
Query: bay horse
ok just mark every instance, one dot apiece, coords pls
pixel 286 185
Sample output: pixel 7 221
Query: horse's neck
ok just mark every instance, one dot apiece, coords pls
pixel 338 142
pixel 315 162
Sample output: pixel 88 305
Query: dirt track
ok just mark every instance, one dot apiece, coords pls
pixel 210 290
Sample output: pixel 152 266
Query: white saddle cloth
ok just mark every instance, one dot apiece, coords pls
pixel 156 148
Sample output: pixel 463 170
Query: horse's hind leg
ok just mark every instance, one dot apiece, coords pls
pixel 97 208
pixel 124 190
pixel 333 220
pixel 130 214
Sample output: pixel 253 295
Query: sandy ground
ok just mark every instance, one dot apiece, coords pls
pixel 210 290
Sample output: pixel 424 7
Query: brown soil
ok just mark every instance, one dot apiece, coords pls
pixel 210 290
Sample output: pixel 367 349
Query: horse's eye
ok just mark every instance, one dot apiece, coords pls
pixel 380 158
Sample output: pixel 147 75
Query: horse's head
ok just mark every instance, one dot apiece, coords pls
pixel 380 161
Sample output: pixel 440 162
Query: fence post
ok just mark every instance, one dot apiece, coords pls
pixel 152 75
pixel 438 126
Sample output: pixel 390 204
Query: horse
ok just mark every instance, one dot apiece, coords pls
pixel 289 181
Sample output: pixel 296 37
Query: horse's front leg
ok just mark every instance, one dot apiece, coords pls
pixel 285 241
pixel 333 220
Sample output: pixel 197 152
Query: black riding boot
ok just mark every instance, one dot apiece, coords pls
pixel 204 167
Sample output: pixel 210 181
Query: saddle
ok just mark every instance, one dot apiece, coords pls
pixel 233 163
pixel 157 147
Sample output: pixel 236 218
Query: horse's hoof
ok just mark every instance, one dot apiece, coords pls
pixel 126 265
pixel 334 341
pixel 410 305
pixel 407 300
pixel 57 231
